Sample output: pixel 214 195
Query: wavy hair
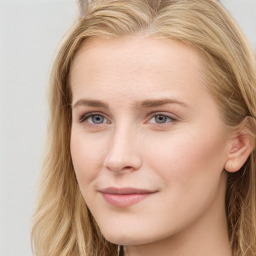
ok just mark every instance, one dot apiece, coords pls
pixel 62 224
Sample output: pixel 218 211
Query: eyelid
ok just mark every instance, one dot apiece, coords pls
pixel 84 117
pixel 173 117
pixel 163 113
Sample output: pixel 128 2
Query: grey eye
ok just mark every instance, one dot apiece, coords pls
pixel 160 119
pixel 96 119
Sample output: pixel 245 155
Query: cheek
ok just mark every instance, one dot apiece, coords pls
pixel 188 157
pixel 189 168
pixel 86 157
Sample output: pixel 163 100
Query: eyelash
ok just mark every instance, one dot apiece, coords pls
pixel 84 118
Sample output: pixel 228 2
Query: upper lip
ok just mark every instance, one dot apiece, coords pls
pixel 125 191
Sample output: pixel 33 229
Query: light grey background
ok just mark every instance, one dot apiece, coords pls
pixel 30 31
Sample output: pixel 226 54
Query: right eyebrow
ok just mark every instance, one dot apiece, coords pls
pixel 90 103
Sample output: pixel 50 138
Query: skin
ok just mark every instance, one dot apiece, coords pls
pixel 180 155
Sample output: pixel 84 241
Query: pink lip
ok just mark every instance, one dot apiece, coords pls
pixel 124 197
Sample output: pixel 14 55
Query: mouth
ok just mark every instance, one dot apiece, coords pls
pixel 125 197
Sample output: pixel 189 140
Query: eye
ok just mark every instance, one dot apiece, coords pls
pixel 94 119
pixel 161 119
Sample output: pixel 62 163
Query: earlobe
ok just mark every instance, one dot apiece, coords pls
pixel 240 148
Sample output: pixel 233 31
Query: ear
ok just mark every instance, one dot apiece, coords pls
pixel 240 147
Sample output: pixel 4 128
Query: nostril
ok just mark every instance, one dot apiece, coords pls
pixel 122 154
pixel 119 167
pixel 130 163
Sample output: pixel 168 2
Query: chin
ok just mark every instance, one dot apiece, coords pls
pixel 120 239
pixel 126 238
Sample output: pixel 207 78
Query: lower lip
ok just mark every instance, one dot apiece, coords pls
pixel 124 200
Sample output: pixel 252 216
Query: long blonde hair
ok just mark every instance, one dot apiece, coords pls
pixel 62 224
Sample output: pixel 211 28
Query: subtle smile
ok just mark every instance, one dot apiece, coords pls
pixel 125 197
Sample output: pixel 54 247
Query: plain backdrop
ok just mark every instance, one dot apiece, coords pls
pixel 30 31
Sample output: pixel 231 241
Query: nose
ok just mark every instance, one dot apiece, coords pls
pixel 123 151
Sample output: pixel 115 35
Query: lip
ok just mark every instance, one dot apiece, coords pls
pixel 125 197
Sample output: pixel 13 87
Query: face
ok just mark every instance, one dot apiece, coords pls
pixel 147 143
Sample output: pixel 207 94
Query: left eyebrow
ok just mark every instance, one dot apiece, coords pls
pixel 159 102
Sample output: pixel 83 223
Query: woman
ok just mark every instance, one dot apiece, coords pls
pixel 151 135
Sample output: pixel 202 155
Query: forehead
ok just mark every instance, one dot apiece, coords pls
pixel 135 64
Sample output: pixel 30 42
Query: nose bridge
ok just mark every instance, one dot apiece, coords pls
pixel 123 152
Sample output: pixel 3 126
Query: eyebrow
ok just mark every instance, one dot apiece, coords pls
pixel 90 103
pixel 150 103
pixel 159 102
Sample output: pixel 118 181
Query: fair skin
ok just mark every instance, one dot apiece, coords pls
pixel 143 119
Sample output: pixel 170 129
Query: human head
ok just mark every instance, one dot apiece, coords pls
pixel 230 69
